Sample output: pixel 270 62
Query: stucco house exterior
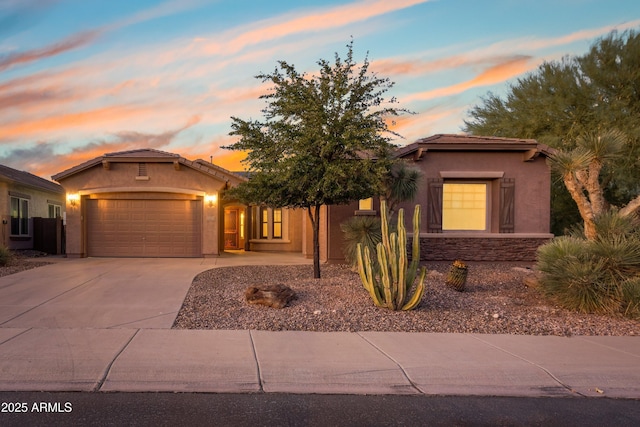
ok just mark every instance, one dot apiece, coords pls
pixel 144 203
pixel 482 198
pixel 23 197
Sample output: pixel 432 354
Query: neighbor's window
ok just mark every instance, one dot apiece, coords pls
pixel 464 206
pixel 19 216
pixel 365 204
pixel 55 211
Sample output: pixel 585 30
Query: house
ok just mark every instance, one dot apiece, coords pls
pixel 23 197
pixel 145 203
pixel 482 198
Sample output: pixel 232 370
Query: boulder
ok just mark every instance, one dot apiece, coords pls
pixel 276 296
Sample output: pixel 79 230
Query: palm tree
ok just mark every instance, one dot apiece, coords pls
pixel 401 185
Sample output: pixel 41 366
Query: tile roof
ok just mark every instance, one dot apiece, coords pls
pixel 29 180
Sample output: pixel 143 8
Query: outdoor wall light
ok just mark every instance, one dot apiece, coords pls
pixel 73 199
pixel 211 199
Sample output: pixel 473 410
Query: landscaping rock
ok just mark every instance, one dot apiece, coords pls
pixel 276 296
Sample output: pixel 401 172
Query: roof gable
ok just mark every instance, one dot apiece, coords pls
pixel 148 155
pixel 29 180
pixel 452 142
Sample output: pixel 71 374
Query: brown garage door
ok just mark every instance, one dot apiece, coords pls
pixel 144 228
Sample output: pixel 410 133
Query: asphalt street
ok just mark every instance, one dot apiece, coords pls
pixel 273 409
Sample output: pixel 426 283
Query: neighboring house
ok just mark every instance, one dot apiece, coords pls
pixel 482 198
pixel 23 197
pixel 145 203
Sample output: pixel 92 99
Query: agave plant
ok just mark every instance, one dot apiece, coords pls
pixel 391 285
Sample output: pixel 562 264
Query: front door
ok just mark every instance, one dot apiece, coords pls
pixel 231 235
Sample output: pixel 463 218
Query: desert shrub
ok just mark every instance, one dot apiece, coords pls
pixel 631 298
pixel 360 229
pixel 599 276
pixel 5 256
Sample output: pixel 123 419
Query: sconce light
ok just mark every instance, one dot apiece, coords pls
pixel 211 199
pixel 73 199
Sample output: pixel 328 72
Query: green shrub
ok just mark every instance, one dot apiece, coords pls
pixel 600 276
pixel 631 298
pixel 5 256
pixel 360 229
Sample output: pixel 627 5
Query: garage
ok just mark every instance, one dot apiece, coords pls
pixel 144 227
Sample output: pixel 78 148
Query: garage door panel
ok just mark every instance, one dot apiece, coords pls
pixel 151 228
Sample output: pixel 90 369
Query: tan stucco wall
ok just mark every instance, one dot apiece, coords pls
pixel 163 180
pixel 294 235
pixel 38 207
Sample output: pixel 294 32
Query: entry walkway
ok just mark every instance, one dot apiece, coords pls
pixel 104 325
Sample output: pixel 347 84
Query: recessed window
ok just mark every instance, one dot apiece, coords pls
pixel 19 216
pixel 277 224
pixel 270 224
pixel 464 206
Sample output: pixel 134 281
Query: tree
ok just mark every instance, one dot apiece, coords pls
pixel 324 139
pixel 580 170
pixel 563 100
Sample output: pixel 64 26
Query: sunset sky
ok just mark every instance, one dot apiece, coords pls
pixel 81 78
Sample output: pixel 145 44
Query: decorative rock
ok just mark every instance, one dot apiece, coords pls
pixel 276 296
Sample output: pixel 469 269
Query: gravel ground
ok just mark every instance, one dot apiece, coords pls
pixel 496 300
pixel 24 260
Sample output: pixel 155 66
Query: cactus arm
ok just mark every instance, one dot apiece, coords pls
pixel 402 261
pixel 419 292
pixel 384 276
pixel 366 275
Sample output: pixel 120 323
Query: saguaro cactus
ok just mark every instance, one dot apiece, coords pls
pixel 391 284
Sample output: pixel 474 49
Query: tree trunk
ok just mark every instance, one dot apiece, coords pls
pixel 584 207
pixel 314 216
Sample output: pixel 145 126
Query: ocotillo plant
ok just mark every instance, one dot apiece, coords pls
pixel 391 284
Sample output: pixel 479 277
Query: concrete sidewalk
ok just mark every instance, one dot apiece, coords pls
pixel 222 361
pixel 104 325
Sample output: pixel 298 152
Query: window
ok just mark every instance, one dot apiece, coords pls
pixel 365 204
pixel 55 211
pixel 19 216
pixel 464 206
pixel 270 224
pixel 277 224
pixel 264 223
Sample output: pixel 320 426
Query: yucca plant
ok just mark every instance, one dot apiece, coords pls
pixel 363 230
pixel 391 285
pixel 594 276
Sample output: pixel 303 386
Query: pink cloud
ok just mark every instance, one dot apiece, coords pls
pixel 70 43
pixel 335 17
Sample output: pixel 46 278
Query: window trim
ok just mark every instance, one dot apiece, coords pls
pixel 265 224
pixel 22 221
pixel 56 209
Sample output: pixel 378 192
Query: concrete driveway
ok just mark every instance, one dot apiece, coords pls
pixel 132 293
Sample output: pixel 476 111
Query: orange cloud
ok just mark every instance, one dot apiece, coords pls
pixel 496 74
pixel 90 118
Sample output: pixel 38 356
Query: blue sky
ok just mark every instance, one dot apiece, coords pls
pixel 81 78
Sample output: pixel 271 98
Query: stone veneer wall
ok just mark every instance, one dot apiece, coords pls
pixel 480 248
